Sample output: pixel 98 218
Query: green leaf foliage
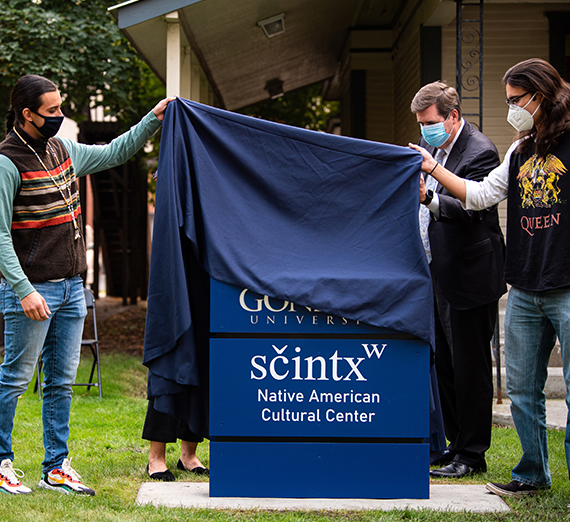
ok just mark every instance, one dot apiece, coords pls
pixel 303 107
pixel 78 45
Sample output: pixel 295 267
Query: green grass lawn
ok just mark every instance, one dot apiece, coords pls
pixel 107 450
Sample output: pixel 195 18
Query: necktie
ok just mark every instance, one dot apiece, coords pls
pixel 431 184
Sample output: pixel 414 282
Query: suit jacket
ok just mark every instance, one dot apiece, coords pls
pixel 467 246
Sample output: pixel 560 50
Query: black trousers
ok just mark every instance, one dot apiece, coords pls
pixel 464 365
pixel 160 427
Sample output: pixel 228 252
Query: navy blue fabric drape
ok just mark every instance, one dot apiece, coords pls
pixel 324 221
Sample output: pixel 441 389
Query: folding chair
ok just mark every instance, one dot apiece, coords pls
pixel 93 345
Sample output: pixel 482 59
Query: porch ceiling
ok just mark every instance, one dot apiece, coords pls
pixel 233 50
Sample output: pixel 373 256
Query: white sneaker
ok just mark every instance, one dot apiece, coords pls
pixel 9 482
pixel 64 479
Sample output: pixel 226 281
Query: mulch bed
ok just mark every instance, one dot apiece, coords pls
pixel 120 333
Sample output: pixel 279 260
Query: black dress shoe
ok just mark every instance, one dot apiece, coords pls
pixel 457 470
pixel 445 459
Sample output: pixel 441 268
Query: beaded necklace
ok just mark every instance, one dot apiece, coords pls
pixel 67 183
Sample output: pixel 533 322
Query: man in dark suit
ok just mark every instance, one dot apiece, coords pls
pixel 466 254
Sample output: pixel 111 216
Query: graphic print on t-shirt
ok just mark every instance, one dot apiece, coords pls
pixel 538 182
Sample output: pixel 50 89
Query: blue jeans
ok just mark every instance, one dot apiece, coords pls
pixel 533 321
pixel 59 341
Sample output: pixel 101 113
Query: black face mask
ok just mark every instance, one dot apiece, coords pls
pixel 51 125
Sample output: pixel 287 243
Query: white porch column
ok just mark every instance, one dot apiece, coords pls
pixel 173 55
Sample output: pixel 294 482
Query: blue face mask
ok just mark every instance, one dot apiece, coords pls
pixel 435 134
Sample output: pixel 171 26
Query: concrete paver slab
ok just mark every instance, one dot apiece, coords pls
pixel 443 497
pixel 556 413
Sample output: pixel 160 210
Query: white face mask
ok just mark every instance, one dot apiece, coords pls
pixel 520 118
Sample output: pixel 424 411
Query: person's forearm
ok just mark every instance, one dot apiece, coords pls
pixel 11 269
pixel 450 181
pixel 88 159
pixel 9 264
pixel 446 178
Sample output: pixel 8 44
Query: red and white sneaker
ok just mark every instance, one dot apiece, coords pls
pixel 64 479
pixel 9 482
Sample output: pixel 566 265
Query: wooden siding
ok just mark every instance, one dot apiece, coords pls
pixel 406 84
pixel 407 68
pixel 510 34
pixel 379 94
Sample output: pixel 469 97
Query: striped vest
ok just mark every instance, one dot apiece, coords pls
pixel 42 227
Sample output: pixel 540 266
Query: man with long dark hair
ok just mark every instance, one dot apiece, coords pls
pixel 42 253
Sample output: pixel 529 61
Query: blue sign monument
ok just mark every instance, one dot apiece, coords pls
pixel 306 404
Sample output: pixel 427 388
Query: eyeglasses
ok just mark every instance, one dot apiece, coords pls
pixel 514 100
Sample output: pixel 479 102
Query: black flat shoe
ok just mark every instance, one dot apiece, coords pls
pixel 165 476
pixel 198 470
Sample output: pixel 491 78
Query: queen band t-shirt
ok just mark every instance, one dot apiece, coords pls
pixel 538 232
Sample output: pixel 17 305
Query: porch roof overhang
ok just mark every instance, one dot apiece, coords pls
pixel 239 59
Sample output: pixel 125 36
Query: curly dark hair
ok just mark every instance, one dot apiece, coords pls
pixel 538 76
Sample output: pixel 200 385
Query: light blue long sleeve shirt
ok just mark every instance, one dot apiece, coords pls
pixel 86 159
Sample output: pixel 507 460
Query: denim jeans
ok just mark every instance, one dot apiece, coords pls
pixel 59 341
pixel 533 321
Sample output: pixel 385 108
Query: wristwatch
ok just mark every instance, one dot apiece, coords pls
pixel 429 198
